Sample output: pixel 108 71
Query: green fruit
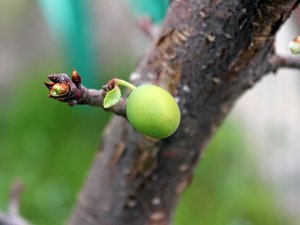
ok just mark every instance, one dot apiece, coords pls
pixel 153 111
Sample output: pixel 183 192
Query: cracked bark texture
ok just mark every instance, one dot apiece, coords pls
pixel 208 54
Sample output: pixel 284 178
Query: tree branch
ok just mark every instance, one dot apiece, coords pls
pixel 278 61
pixel 208 54
pixel 73 92
pixel 13 216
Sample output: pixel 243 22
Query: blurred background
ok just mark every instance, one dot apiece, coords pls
pixel 250 174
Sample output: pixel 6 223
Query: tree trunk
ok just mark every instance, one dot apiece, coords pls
pixel 208 54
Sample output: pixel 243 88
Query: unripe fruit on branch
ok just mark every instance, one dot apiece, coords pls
pixel 150 109
pixel 153 111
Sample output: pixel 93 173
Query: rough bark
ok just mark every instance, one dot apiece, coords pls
pixel 208 54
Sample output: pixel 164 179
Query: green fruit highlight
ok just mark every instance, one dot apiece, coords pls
pixel 153 111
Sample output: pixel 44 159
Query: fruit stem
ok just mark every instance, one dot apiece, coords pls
pixel 124 83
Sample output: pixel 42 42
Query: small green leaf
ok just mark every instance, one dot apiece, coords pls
pixel 112 97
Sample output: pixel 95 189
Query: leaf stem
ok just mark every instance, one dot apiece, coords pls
pixel 124 83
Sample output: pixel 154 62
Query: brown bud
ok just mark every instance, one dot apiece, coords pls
pixel 76 78
pixel 297 39
pixel 71 103
pixel 49 85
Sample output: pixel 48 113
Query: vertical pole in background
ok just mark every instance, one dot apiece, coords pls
pixel 155 9
pixel 69 22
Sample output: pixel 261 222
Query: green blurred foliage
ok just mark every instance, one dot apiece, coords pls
pixel 227 189
pixel 49 146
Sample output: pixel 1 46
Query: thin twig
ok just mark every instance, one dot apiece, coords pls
pixel 73 92
pixel 278 61
pixel 13 217
pixel 147 26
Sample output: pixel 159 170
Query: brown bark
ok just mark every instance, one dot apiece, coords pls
pixel 208 54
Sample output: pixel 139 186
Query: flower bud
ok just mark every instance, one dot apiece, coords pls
pixel 59 90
